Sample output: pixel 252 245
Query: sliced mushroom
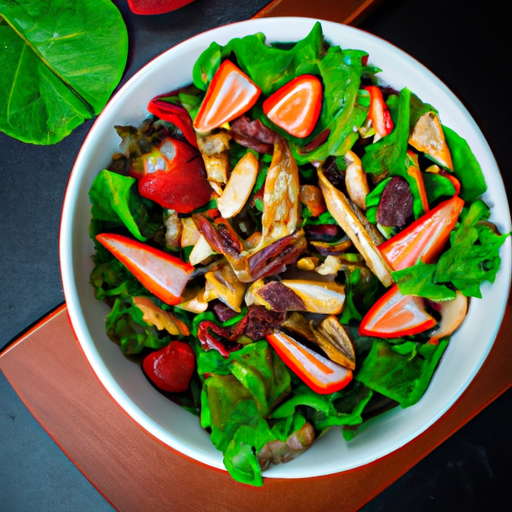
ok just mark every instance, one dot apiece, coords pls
pixel 153 315
pixel 239 186
pixel 214 149
pixel 189 232
pixel 194 302
pixel 340 209
pixel 355 180
pixel 297 324
pixel 428 137
pixel 223 284
pixel 452 313
pixel 318 297
pixel 332 338
pixel 201 251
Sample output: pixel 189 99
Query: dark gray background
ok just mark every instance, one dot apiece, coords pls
pixel 465 43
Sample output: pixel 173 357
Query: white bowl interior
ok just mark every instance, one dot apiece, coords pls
pixel 124 379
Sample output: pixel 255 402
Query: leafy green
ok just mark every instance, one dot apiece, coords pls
pixel 110 278
pixel 362 288
pixel 437 186
pixel 125 326
pixel 60 63
pixel 344 106
pixel 403 377
pixel 418 280
pixel 465 166
pixel 270 67
pixel 340 408
pixel 474 253
pixel 237 398
pixel 388 154
pixel 114 199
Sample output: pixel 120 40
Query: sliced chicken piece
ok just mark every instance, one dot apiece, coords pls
pixel 340 209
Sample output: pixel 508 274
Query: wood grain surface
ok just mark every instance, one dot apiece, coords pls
pixel 349 12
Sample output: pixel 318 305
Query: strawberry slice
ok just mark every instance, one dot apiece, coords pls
pixel 295 107
pixel 162 274
pixel 425 238
pixel 171 367
pixel 230 94
pixel 379 112
pixel 319 373
pixel 395 315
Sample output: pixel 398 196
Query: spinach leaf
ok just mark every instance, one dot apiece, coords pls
pixel 388 154
pixel 401 377
pixel 125 326
pixel 418 280
pixel 236 400
pixel 115 199
pixel 340 408
pixel 474 253
pixel 437 186
pixel 269 66
pixel 465 166
pixel 60 63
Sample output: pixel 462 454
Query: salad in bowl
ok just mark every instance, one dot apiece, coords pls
pixel 292 248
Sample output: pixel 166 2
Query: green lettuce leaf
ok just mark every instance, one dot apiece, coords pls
pixel 465 166
pixel 388 154
pixel 343 407
pixel 236 401
pixel 473 257
pixel 60 63
pixel 115 199
pixel 125 326
pixel 403 377
pixel 437 187
pixel 418 280
pixel 269 66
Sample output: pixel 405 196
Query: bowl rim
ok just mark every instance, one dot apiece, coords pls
pixel 66 246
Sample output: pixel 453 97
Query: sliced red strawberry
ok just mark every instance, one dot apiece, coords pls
pixel 395 315
pixel 230 94
pixel 161 273
pixel 295 107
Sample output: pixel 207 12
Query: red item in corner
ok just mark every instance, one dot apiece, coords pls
pixel 156 6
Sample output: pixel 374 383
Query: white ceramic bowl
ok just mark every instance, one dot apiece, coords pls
pixel 125 381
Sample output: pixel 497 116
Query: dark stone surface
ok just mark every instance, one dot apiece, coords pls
pixel 464 43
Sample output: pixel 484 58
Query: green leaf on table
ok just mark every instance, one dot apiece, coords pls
pixel 60 63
